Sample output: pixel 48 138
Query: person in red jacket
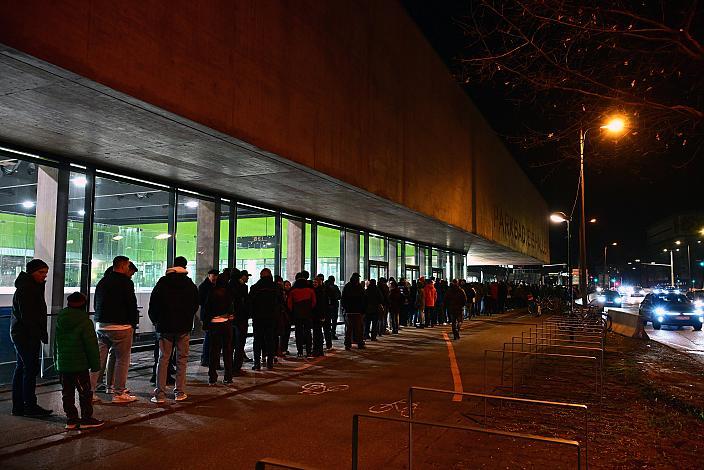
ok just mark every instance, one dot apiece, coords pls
pixel 301 302
pixel 430 295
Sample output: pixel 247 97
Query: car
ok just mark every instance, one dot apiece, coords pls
pixel 696 296
pixel 669 308
pixel 638 291
pixel 608 298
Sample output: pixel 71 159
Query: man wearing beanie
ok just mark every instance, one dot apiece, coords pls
pixel 28 332
pixel 116 318
pixel 172 307
pixel 75 356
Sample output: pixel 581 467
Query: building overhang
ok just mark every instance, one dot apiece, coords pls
pixel 51 110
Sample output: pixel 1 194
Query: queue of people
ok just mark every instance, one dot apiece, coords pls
pixel 84 351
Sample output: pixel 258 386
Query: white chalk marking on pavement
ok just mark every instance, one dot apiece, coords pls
pixel 454 368
pixel 318 388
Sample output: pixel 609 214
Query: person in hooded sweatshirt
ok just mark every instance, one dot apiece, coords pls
pixel 353 307
pixel 172 307
pixel 28 331
pixel 76 354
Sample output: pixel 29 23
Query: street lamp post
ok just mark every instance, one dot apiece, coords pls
pixel 559 217
pixel 615 125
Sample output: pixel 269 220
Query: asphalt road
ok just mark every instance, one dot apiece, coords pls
pixel 684 339
pixel 277 420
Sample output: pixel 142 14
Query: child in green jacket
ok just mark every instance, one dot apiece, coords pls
pixel 76 355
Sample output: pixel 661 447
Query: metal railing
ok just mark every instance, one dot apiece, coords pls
pixel 573 445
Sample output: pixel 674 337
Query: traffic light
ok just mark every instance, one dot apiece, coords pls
pixel 613 279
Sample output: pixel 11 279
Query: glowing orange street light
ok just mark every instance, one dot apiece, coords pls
pixel 615 125
pixel 592 221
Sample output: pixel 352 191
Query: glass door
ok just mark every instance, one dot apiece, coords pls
pixel 378 269
pixel 437 273
pixel 412 272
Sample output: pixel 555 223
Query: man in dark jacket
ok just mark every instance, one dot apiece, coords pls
pixel 238 290
pixel 454 301
pixel 28 331
pixel 333 296
pixel 353 307
pixel 172 307
pixel 265 303
pixel 116 318
pixel 203 290
pixel 320 312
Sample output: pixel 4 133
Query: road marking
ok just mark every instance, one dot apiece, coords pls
pixel 454 368
pixel 399 405
pixel 318 388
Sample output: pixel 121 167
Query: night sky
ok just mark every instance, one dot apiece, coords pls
pixel 626 190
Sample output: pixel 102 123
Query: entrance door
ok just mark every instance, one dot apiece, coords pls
pixel 412 272
pixel 437 273
pixel 378 269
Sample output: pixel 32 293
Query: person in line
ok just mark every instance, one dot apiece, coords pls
pixel 172 308
pixel 420 303
pixel 406 308
pixel 454 302
pixel 265 300
pixel 239 291
pixel 430 297
pixel 319 313
pixel 373 308
pixel 28 330
pixel 353 309
pixel 217 317
pixel 333 297
pixel 108 385
pixel 76 354
pixel 203 291
pixel 384 310
pixel 301 302
pixel 284 321
pixel 395 305
pixel 116 319
pixel 440 314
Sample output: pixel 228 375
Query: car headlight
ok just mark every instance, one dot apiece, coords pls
pixel 661 319
pixel 618 300
pixel 699 303
pixel 659 311
pixel 698 311
pixel 601 298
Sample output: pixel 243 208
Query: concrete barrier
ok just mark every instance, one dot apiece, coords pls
pixel 627 323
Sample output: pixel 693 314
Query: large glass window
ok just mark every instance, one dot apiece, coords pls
pixel 399 273
pixel 18 200
pixel 329 251
pixel 411 258
pixel 309 244
pixel 188 209
pixel 377 248
pixel 131 219
pixel 256 240
pixel 362 258
pixel 74 232
pixel 224 235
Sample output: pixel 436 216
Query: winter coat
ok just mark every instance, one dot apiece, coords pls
pixel 115 301
pixel 420 298
pixel 430 295
pixel 373 299
pixel 76 348
pixel 239 291
pixel 28 323
pixel 301 300
pixel 333 295
pixel 395 300
pixel 320 312
pixel 174 302
pixel 218 303
pixel 203 290
pixel 265 300
pixel 353 297
pixel 454 300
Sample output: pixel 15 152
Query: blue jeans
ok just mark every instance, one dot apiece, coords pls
pixel 167 342
pixel 24 380
pixel 119 342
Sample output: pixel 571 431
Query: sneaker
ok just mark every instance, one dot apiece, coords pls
pixel 157 400
pixel 109 390
pixel 123 398
pixel 88 423
pixel 71 423
pixel 227 382
pixel 180 396
pixel 37 411
pixel 102 388
pixel 212 384
pixel 299 355
pixel 248 359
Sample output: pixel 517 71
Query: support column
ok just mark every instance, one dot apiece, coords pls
pixel 351 254
pixel 393 259
pixel 294 248
pixel 207 239
pixel 422 261
pixel 51 218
